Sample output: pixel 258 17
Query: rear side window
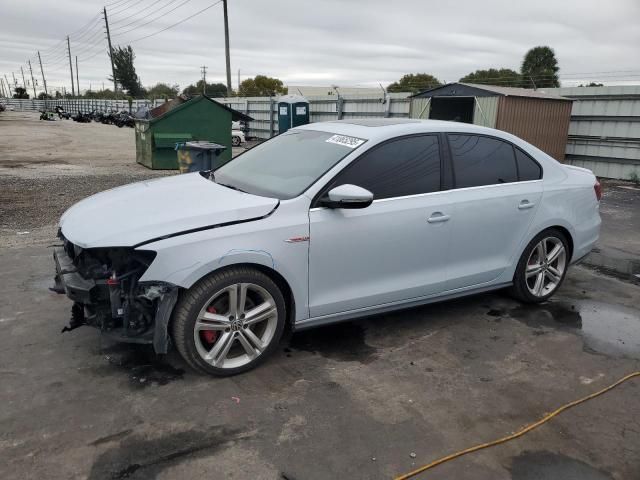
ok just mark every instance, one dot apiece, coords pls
pixel 405 166
pixel 481 161
pixel 528 169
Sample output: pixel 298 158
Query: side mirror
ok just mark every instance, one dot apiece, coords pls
pixel 347 196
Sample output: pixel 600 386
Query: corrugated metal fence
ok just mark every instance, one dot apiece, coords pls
pixel 265 113
pixel 74 105
pixel 262 109
pixel 604 134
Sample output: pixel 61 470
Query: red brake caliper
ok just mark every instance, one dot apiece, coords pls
pixel 210 336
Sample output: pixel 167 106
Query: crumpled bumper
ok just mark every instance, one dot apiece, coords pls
pixel 99 304
pixel 69 281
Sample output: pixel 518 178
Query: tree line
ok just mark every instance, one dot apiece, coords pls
pixel 539 69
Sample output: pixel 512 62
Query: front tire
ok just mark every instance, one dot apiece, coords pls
pixel 229 322
pixel 235 140
pixel 542 267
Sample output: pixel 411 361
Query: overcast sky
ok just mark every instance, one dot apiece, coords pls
pixel 323 42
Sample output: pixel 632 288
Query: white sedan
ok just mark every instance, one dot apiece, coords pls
pixel 237 138
pixel 326 222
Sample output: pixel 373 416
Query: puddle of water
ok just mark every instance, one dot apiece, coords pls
pixel 141 364
pixel 136 456
pixel 341 341
pixel 608 329
pixel 548 465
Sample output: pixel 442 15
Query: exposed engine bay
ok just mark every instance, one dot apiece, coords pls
pixel 104 284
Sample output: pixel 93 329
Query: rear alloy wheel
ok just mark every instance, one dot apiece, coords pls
pixel 236 141
pixel 229 322
pixel 542 267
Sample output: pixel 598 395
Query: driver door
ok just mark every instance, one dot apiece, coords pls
pixel 395 249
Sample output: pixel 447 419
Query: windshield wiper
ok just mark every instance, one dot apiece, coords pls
pixel 208 174
pixel 232 187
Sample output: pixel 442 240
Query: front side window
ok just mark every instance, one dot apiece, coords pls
pixel 288 164
pixel 405 166
pixel 481 160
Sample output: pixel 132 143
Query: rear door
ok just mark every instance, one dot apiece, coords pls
pixel 497 191
pixel 391 251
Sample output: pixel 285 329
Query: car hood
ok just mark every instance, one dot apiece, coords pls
pixel 136 213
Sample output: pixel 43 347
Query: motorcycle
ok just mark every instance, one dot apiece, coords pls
pixel 61 113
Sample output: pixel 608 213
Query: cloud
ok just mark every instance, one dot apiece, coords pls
pixel 321 42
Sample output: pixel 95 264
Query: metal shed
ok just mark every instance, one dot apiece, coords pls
pixel 182 120
pixel 539 118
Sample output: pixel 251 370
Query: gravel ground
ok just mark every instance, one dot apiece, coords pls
pixel 48 166
pixel 29 207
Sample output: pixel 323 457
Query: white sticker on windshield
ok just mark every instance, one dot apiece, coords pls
pixel 345 141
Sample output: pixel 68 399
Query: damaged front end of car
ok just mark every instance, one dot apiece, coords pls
pixel 105 286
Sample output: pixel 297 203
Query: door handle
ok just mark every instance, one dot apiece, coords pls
pixel 526 204
pixel 438 217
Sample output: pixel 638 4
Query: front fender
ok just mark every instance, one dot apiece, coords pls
pixel 232 257
pixel 185 259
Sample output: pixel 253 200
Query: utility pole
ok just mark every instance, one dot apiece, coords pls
pixel 15 82
pixel 33 82
pixel 238 80
pixel 73 90
pixel 203 70
pixel 226 46
pixel 77 79
pixel 113 70
pixel 24 83
pixel 44 80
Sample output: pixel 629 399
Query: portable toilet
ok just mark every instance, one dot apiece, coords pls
pixel 293 110
pixel 183 120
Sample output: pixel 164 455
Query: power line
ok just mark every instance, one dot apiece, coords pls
pixel 177 23
pixel 99 35
pixel 133 15
pixel 88 33
pixel 54 47
pixel 97 15
pixel 138 20
pixel 117 2
pixel 569 77
pixel 155 18
pixel 98 52
pixel 116 12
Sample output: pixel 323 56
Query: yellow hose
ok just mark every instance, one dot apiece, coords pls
pixel 519 433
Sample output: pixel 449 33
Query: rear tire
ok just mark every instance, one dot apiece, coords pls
pixel 235 141
pixel 229 322
pixel 542 267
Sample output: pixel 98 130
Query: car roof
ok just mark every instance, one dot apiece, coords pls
pixel 379 129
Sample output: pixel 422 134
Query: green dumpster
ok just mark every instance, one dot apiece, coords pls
pixel 183 120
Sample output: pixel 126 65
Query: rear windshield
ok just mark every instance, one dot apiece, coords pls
pixel 288 164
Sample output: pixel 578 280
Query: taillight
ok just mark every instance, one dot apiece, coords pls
pixel 598 188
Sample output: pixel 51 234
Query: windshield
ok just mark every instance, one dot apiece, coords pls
pixel 286 165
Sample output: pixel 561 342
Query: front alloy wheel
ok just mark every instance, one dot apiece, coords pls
pixel 229 321
pixel 542 267
pixel 241 333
